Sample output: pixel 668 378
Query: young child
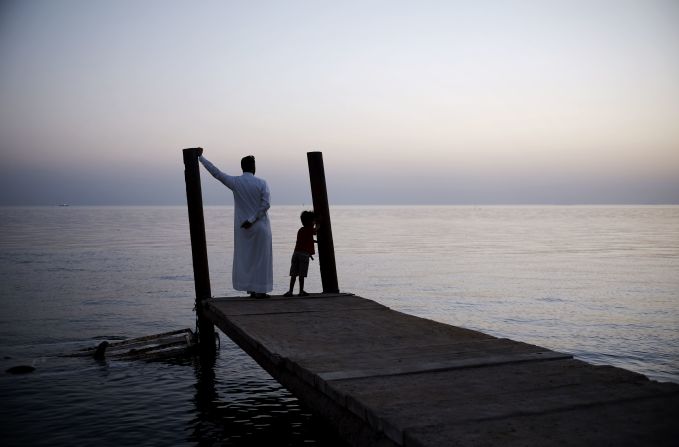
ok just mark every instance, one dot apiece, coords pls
pixel 304 249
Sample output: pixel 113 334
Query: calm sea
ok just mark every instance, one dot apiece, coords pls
pixel 601 283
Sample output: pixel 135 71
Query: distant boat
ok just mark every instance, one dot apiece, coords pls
pixel 63 204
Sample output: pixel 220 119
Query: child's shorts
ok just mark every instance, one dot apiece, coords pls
pixel 299 266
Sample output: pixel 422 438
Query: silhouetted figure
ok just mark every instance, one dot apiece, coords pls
pixel 252 251
pixel 304 250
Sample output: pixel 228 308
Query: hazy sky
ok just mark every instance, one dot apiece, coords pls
pixel 413 102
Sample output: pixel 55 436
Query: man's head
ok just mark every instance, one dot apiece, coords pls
pixel 247 164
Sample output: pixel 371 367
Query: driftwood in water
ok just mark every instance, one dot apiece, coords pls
pixel 21 369
pixel 149 347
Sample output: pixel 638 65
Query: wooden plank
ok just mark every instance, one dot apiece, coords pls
pixel 341 329
pixel 280 304
pixel 422 366
pixel 399 360
pixel 476 394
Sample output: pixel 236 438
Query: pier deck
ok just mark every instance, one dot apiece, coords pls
pixel 384 378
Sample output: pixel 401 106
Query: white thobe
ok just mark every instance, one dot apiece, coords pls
pixel 252 269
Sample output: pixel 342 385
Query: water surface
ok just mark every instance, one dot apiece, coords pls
pixel 598 282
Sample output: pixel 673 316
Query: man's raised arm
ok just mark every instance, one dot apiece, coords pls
pixel 226 179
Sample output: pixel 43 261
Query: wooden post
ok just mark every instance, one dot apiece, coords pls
pixel 326 248
pixel 201 272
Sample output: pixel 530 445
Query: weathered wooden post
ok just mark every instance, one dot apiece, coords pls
pixel 201 272
pixel 326 248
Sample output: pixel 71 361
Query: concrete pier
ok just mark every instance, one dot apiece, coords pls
pixel 385 378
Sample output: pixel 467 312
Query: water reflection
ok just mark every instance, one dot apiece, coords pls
pixel 236 416
pixel 206 424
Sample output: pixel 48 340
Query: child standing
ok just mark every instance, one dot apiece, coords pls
pixel 304 249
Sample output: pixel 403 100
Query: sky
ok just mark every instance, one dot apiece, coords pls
pixel 411 102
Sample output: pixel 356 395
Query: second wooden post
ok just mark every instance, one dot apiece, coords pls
pixel 326 248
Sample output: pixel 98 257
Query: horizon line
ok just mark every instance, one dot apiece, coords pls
pixel 518 204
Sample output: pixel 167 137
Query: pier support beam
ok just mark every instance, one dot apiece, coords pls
pixel 326 248
pixel 201 272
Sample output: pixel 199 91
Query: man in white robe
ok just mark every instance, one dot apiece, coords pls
pixel 252 251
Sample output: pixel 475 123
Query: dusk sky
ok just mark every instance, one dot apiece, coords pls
pixel 411 102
